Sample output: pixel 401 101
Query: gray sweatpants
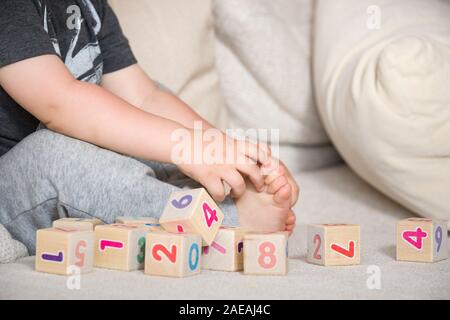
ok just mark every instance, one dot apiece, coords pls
pixel 48 176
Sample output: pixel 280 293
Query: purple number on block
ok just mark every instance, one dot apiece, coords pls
pixel 240 246
pixel 53 257
pixel 183 202
pixel 438 237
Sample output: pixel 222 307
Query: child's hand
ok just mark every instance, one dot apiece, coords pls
pixel 225 159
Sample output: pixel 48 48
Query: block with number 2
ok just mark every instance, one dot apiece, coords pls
pixel 59 250
pixel 266 254
pixel 173 255
pixel 333 244
pixel 422 240
pixel 192 211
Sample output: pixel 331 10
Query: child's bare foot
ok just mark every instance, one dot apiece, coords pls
pixel 290 222
pixel 264 212
pixel 277 175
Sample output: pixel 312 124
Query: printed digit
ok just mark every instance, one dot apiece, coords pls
pixel 171 255
pixel 349 253
pixel 180 229
pixel 218 247
pixel 110 244
pixel 59 258
pixel 240 246
pixel 141 255
pixel 194 265
pixel 183 202
pixel 438 237
pixel 210 215
pixel 318 243
pixel 80 255
pixel 267 250
pixel 419 235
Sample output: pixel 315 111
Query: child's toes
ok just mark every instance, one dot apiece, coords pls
pixel 283 195
pixel 277 184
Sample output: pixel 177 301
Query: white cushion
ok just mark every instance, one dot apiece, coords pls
pixel 174 43
pixel 382 79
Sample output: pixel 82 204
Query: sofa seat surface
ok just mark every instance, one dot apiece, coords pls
pixel 333 195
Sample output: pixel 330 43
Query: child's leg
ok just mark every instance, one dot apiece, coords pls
pixel 48 176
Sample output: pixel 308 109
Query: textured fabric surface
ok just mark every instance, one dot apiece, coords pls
pixel 331 195
pixel 10 249
pixel 264 63
pixel 381 80
pixel 174 43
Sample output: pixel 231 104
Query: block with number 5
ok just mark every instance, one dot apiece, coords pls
pixel 192 211
pixel 120 246
pixel 422 240
pixel 266 254
pixel 173 255
pixel 60 250
pixel 333 244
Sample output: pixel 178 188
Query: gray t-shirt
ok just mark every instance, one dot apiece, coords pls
pixel 84 34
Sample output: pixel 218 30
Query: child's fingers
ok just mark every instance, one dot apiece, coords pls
pixel 254 174
pixel 277 184
pixel 215 188
pixel 258 152
pixel 235 181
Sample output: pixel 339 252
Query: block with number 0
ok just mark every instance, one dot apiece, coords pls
pixel 59 250
pixel 173 255
pixel 333 244
pixel 192 211
pixel 266 254
pixel 422 240
pixel 120 246
pixel 226 251
pixel 77 223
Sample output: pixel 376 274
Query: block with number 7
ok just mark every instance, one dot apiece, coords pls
pixel 333 244
pixel 173 255
pixel 266 254
pixel 192 211
pixel 422 240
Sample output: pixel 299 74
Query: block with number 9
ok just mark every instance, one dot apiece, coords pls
pixel 192 211
pixel 266 254
pixel 422 240
pixel 173 255
pixel 59 250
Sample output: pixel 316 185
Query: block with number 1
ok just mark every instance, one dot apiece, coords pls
pixel 422 240
pixel 192 211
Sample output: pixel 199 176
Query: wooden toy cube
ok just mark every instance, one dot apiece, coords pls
pixel 120 246
pixel 226 251
pixel 59 249
pixel 150 223
pixel 192 211
pixel 266 254
pixel 333 244
pixel 77 223
pixel 422 240
pixel 173 255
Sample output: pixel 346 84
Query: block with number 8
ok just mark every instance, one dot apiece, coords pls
pixel 333 244
pixel 192 211
pixel 422 240
pixel 59 250
pixel 173 255
pixel 266 254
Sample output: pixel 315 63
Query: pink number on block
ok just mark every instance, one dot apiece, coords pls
pixel 210 214
pixel 110 244
pixel 317 242
pixel 180 228
pixel 171 255
pixel 267 250
pixel 80 255
pixel 419 234
pixel 218 247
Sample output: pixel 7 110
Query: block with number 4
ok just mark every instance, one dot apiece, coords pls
pixel 77 223
pixel 173 255
pixel 422 240
pixel 333 244
pixel 63 251
pixel 150 223
pixel 192 211
pixel 226 251
pixel 120 246
pixel 266 254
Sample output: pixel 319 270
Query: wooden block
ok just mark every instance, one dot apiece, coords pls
pixel 226 251
pixel 151 224
pixel 333 244
pixel 266 254
pixel 120 246
pixel 422 240
pixel 59 249
pixel 80 224
pixel 192 211
pixel 173 255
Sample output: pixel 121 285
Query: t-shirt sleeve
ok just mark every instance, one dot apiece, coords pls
pixel 22 34
pixel 115 47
